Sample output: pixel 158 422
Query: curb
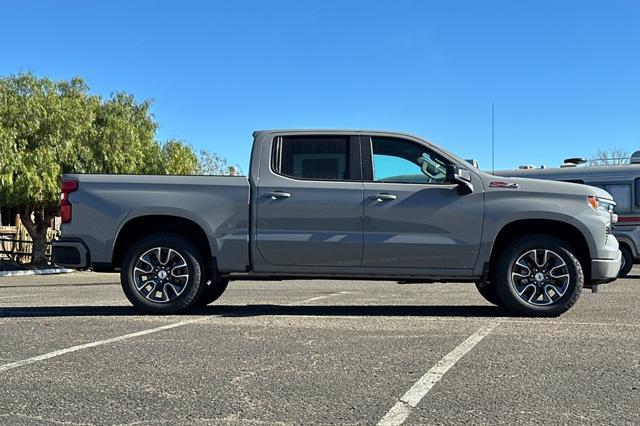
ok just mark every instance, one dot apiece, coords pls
pixel 50 271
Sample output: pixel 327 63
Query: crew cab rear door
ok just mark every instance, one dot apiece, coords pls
pixel 414 219
pixel 309 201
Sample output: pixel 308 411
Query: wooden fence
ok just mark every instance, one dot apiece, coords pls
pixel 15 243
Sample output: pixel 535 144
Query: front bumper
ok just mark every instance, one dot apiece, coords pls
pixel 605 270
pixel 70 254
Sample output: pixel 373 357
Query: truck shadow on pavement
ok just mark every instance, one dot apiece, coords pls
pixel 265 310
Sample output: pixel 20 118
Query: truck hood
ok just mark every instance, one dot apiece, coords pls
pixel 600 193
pixel 548 186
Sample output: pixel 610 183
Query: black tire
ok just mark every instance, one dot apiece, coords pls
pixel 212 292
pixel 506 284
pixel 192 286
pixel 627 261
pixel 488 291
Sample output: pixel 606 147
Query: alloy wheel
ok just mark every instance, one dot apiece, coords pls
pixel 161 274
pixel 540 277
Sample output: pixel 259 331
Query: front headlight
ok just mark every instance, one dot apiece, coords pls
pixel 606 205
pixel 601 204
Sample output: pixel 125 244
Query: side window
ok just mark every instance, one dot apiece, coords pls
pixel 312 157
pixel 621 195
pixel 636 192
pixel 402 161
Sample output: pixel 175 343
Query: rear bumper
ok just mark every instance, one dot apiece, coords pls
pixel 71 254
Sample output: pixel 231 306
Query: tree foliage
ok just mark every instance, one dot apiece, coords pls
pixel 48 128
pixel 179 158
pixel 212 164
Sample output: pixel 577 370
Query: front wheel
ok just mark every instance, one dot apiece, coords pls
pixel 538 275
pixel 162 274
pixel 488 291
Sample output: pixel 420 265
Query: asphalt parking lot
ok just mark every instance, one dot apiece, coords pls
pixel 72 351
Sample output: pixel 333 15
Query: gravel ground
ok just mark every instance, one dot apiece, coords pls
pixel 72 351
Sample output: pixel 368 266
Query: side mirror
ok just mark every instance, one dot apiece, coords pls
pixel 461 176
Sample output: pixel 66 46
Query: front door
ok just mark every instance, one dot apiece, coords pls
pixel 309 207
pixel 413 217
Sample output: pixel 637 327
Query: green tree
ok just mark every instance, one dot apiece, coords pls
pixel 42 122
pixel 180 159
pixel 211 164
pixel 48 128
pixel 121 139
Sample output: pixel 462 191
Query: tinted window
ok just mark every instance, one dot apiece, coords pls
pixel 621 195
pixel 636 192
pixel 313 157
pixel 401 161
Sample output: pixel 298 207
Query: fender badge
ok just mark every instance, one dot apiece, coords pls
pixel 500 184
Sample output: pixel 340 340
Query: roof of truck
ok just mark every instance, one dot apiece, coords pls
pixel 386 132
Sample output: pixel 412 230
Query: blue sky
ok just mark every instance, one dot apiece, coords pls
pixel 564 75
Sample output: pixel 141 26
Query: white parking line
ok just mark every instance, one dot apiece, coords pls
pixel 326 296
pixel 54 354
pixel 21 295
pixel 401 410
pixel 57 353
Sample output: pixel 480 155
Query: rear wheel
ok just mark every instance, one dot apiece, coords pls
pixel 538 275
pixel 627 261
pixel 162 274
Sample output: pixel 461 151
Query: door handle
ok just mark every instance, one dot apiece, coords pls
pixel 277 194
pixel 383 197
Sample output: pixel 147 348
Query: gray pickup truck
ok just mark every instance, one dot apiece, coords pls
pixel 338 204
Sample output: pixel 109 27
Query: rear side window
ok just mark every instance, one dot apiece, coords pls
pixel 312 157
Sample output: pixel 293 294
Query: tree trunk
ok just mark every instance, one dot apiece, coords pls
pixel 37 229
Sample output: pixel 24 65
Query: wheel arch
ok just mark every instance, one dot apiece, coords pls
pixel 141 226
pixel 554 228
pixel 626 241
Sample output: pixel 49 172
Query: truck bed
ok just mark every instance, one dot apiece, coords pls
pixel 217 204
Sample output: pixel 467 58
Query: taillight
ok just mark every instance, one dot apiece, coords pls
pixel 67 187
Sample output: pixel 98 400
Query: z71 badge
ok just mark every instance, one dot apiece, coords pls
pixel 500 184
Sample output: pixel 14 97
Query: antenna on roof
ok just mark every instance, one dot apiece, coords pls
pixel 493 140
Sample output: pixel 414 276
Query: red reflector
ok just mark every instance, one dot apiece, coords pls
pixel 67 187
pixel 65 213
